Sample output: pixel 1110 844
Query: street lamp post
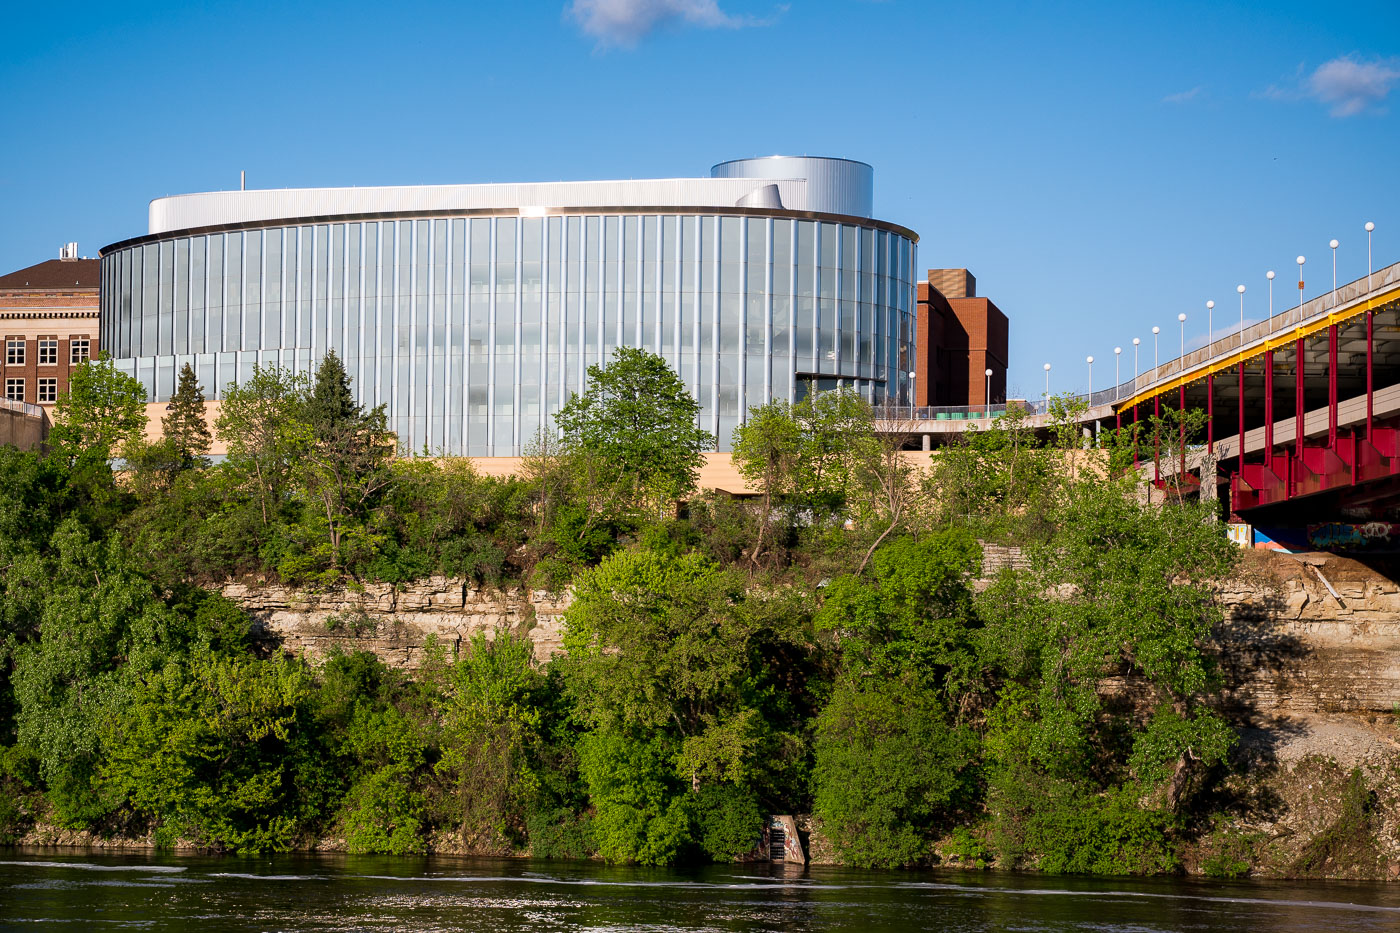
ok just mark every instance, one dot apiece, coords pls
pixel 1210 322
pixel 1334 244
pixel 1301 260
pixel 1370 228
pixel 1090 361
pixel 988 396
pixel 1136 372
pixel 911 395
pixel 1155 358
pixel 1117 376
pixel 1181 319
pixel 1047 388
pixel 1240 289
pixel 1270 276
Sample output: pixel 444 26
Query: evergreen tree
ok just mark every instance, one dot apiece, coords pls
pixel 346 463
pixel 185 429
pixel 332 408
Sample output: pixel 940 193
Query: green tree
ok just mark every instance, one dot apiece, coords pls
pixel 346 465
pixel 100 628
pixel 490 726
pixel 184 424
pixel 263 425
pixel 658 643
pixel 669 666
pixel 100 413
pixel 202 751
pixel 915 618
pixel 890 771
pixel 808 454
pixel 637 415
pixel 767 450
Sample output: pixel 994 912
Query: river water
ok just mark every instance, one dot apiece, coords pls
pixel 47 891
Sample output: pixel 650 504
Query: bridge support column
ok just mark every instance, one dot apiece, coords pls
pixel 1210 413
pixel 1299 416
pixel 1156 440
pixel 1181 416
pixel 1239 464
pixel 928 442
pixel 1332 386
pixel 1135 437
pixel 1269 408
pixel 1370 375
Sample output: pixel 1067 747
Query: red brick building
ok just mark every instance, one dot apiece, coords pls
pixel 48 325
pixel 960 337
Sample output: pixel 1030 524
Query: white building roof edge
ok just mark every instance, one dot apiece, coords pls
pixel 215 208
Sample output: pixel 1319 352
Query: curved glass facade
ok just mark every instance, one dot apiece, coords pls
pixel 474 330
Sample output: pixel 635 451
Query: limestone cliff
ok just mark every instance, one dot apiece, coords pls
pixel 396 623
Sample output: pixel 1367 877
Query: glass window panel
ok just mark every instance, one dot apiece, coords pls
pixel 306 274
pixel 849 243
pixel 252 290
pixel 272 289
pixel 233 291
pixel 182 296
pixel 806 257
pixel 730 252
pixel 150 297
pixel 828 260
pixel 166 315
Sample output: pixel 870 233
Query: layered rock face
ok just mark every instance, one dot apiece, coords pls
pixel 1311 634
pixel 398 623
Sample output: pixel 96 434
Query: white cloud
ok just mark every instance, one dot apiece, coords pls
pixel 1347 85
pixel 1181 97
pixel 626 22
pixel 1350 86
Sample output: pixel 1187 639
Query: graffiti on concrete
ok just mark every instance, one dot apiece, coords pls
pixel 1353 536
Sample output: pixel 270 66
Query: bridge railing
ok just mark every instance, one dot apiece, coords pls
pixel 984 413
pixel 1345 295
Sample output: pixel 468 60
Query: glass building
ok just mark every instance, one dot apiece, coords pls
pixel 473 311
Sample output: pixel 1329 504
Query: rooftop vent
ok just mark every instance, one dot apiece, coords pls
pixel 68 251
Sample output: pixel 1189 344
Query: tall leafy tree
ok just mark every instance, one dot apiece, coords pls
pixel 184 424
pixel 637 415
pixel 263 425
pixel 102 410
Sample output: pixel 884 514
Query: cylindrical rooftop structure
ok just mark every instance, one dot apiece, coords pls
pixel 834 186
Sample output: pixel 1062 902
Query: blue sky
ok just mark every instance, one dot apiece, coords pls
pixel 1100 168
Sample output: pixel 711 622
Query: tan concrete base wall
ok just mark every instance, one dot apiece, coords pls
pixel 21 430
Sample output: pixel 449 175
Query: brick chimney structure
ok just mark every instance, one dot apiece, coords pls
pixel 960 337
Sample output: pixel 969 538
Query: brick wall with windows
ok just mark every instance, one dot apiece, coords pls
pixel 48 321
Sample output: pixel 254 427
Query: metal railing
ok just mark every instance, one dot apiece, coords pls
pixel 25 408
pixel 956 412
pixel 1346 295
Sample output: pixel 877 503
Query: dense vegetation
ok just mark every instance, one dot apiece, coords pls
pixel 819 648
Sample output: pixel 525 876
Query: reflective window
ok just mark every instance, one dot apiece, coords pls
pixel 474 330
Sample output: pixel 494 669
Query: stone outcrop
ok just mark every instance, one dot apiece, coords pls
pixel 1311 634
pixel 398 623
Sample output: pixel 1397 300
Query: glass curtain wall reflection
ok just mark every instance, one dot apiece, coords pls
pixel 473 331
